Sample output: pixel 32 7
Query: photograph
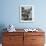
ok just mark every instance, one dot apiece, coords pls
pixel 26 13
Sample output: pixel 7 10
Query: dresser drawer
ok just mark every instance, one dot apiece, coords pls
pixel 37 39
pixel 34 33
pixel 13 44
pixel 37 44
pixel 12 39
pixel 13 33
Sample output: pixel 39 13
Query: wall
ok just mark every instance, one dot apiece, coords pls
pixel 10 13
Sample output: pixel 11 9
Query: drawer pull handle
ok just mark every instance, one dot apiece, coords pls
pixel 33 39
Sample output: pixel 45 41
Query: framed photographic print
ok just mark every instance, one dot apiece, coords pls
pixel 26 13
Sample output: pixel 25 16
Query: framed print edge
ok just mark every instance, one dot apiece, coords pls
pixel 33 18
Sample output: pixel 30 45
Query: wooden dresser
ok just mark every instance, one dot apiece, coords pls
pixel 23 38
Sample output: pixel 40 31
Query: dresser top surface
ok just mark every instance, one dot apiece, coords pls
pixel 22 30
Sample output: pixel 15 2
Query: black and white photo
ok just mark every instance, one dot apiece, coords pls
pixel 26 13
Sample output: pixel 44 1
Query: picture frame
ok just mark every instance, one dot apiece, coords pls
pixel 26 13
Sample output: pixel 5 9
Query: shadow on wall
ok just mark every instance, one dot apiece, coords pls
pixel 2 26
